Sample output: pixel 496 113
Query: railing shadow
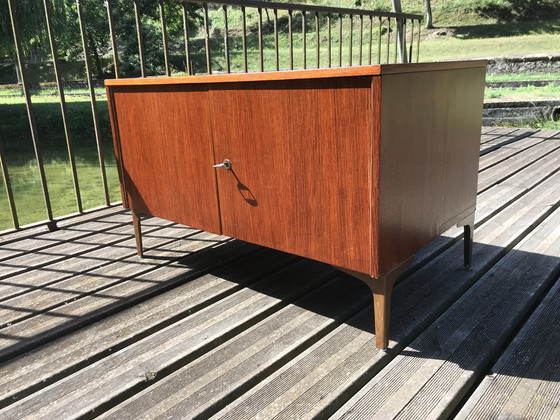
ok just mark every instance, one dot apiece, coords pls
pixel 419 300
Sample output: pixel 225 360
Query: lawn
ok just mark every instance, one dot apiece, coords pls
pixel 23 170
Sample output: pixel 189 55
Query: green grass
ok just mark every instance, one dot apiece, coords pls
pixel 49 91
pixel 454 48
pixel 464 29
pixel 541 125
pixel 22 165
pixel 550 91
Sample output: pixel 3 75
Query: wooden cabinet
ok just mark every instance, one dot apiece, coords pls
pixel 356 167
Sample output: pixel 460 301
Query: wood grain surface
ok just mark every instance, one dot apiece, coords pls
pixel 352 71
pixel 430 125
pixel 165 140
pixel 301 173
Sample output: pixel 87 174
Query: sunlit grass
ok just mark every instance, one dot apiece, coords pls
pixel 550 91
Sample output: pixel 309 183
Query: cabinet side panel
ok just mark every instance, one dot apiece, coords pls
pixel 116 144
pixel 300 178
pixel 374 198
pixel 166 145
pixel 430 135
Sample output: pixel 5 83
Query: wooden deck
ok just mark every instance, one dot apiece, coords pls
pixel 205 326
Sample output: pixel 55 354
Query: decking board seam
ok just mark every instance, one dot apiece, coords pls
pixel 144 329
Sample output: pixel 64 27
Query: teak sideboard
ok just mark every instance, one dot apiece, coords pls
pixel 357 167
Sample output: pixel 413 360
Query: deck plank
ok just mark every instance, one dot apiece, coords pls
pixel 312 384
pixel 525 381
pixel 207 326
pixel 449 356
pixel 505 169
pixel 490 159
pixel 242 264
pixel 140 362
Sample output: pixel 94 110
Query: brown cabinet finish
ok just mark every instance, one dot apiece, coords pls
pixel 297 166
pixel 356 167
pixel 165 156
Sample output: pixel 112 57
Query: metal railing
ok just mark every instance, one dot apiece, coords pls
pixel 329 32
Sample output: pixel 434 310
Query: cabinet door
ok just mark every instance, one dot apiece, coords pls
pixel 301 167
pixel 166 142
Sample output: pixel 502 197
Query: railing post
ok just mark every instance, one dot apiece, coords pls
pixel 304 37
pixel 56 66
pixel 261 58
pixel 207 40
pixel 188 64
pixel 245 66
pixel 291 38
pixel 93 102
pixel 141 52
pixel 7 183
pixel 109 6
pixel 226 39
pixel 164 37
pixel 31 114
pixel 330 40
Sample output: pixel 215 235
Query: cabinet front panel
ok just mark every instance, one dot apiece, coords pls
pixel 301 166
pixel 166 142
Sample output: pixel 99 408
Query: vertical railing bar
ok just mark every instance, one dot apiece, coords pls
pixel 30 113
pixel 318 40
pixel 418 45
pixel 63 110
pixel 94 113
pixel 351 38
pixel 339 40
pixel 411 41
pixel 304 37
pixel 187 40
pixel 276 46
pixel 261 58
pixel 379 41
pixel 207 40
pixel 291 39
pixel 403 43
pixel 141 51
pixel 164 38
pixel 388 39
pixel 244 15
pixel 361 38
pixel 7 183
pixel 109 5
pixel 330 40
pixel 226 39
pixel 396 39
pixel 370 39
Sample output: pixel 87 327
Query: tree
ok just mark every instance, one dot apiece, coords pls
pixel 397 7
pixel 31 19
pixel 429 23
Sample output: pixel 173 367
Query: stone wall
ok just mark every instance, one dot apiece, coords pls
pixel 545 63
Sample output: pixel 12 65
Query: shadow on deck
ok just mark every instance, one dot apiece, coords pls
pixel 208 326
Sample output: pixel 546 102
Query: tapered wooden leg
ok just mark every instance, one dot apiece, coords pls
pixel 382 310
pixel 468 226
pixel 382 289
pixel 137 233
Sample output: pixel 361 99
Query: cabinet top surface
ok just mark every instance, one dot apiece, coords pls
pixel 373 70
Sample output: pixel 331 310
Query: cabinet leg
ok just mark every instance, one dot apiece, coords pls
pixel 468 226
pixel 382 289
pixel 137 233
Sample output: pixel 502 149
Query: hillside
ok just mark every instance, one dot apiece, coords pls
pixel 451 13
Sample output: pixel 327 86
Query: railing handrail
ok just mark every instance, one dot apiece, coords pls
pixel 385 35
pixel 307 8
